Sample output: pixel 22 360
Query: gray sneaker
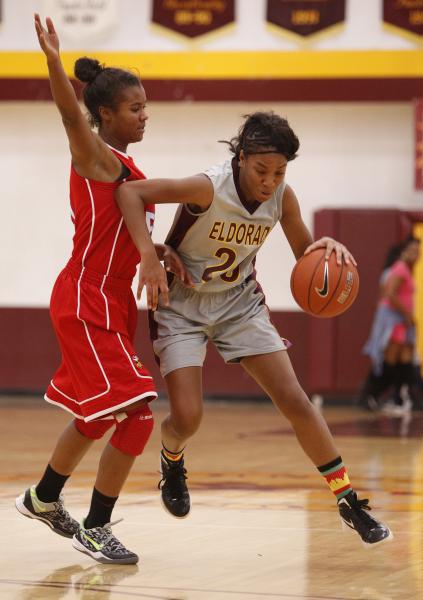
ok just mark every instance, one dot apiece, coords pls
pixel 102 545
pixel 52 514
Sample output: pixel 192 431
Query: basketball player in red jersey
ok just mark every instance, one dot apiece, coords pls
pixel 101 380
pixel 223 219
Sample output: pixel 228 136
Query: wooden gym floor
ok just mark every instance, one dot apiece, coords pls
pixel 263 525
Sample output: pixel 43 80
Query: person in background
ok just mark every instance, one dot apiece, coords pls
pixel 391 344
pixel 379 379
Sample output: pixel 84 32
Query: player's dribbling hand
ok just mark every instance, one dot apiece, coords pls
pixel 331 245
pixel 173 264
pixel 152 276
pixel 48 38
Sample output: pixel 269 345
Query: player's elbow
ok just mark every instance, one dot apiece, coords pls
pixel 126 195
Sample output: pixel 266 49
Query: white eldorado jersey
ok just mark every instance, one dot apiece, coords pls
pixel 219 246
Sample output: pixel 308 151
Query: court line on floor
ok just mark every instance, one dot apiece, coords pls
pixel 107 589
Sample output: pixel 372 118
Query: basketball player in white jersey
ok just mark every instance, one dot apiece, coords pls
pixel 224 217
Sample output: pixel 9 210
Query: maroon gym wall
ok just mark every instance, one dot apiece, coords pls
pixel 326 354
pixel 30 354
pixel 336 363
pixel 351 89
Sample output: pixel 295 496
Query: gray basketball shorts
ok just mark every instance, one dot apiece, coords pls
pixel 237 321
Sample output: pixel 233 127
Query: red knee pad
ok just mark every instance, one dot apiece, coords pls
pixel 94 430
pixel 132 433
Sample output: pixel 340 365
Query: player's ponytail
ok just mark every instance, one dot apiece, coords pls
pixel 86 69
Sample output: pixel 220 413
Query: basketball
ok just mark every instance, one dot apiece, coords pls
pixel 321 287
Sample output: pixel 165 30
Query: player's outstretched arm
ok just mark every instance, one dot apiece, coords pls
pixel 132 197
pixel 84 143
pixel 151 275
pixel 196 191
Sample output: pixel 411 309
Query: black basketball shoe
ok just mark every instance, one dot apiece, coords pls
pixel 173 487
pixel 355 516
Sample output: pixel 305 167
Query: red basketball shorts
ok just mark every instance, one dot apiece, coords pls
pixel 94 318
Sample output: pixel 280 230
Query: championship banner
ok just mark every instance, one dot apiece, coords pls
pixel 404 14
pixel 193 17
pixel 305 17
pixel 83 21
pixel 418 144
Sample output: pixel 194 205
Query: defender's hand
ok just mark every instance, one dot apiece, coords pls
pixel 152 276
pixel 47 38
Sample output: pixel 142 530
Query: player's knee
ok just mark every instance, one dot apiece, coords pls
pixel 133 432
pixel 94 430
pixel 293 402
pixel 185 424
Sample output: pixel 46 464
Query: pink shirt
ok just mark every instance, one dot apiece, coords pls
pixel 405 292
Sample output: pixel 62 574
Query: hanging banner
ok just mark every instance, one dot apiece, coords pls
pixel 305 17
pixel 418 144
pixel 83 21
pixel 193 17
pixel 405 14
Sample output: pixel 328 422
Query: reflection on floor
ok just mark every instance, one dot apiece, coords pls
pixel 379 425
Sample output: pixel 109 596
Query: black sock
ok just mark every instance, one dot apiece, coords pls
pixel 408 373
pixel 388 377
pixel 377 384
pixel 100 510
pixel 50 485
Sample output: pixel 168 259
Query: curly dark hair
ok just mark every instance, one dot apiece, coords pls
pixel 394 252
pixel 264 132
pixel 103 85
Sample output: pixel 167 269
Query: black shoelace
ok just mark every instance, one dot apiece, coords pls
pixel 175 477
pixel 361 506
pixel 357 503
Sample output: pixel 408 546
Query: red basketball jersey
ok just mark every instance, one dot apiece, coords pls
pixel 93 309
pixel 102 242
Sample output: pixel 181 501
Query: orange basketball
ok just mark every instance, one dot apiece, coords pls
pixel 322 287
